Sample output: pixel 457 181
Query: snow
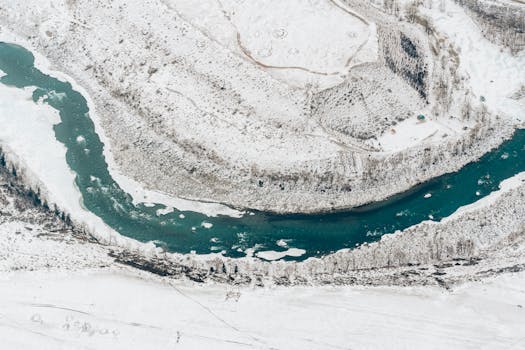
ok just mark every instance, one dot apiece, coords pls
pixel 271 255
pixel 279 36
pixel 132 187
pixel 505 186
pixel 26 246
pixel 28 140
pixel 411 132
pixel 95 309
pixel 54 294
pixel 23 135
pixel 494 72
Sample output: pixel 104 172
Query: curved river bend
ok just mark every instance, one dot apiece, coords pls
pixel 184 232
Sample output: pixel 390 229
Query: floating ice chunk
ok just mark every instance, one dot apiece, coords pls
pixel 164 211
pixel 206 224
pixel 271 255
pixel 428 195
pixel 81 140
pixel 95 179
pixel 282 243
pixel 181 216
pixel 405 212
pixel 374 233
pixel 57 96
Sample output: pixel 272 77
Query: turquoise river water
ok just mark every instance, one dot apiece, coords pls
pixel 316 234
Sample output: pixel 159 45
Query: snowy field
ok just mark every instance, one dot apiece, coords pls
pixel 280 36
pixel 120 310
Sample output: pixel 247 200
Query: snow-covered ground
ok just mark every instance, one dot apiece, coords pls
pixel 411 132
pixel 494 73
pixel 280 36
pixel 36 127
pixel 61 292
pixel 189 92
pixel 57 292
pixel 113 309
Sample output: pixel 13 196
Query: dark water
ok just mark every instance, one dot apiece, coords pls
pixel 317 234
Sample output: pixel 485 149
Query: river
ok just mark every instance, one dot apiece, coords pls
pixel 184 232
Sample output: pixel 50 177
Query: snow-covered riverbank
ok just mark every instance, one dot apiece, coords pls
pixel 235 134
pixel 24 108
pixel 115 309
pixel 59 292
pixel 57 183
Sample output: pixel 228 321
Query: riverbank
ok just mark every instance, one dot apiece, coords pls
pixel 58 289
pixel 69 280
pixel 345 174
pixel 401 258
pixel 479 241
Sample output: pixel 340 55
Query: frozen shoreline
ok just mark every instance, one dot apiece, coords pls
pixel 136 190
pixel 182 157
pixel 361 256
pixel 58 291
pixel 36 164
